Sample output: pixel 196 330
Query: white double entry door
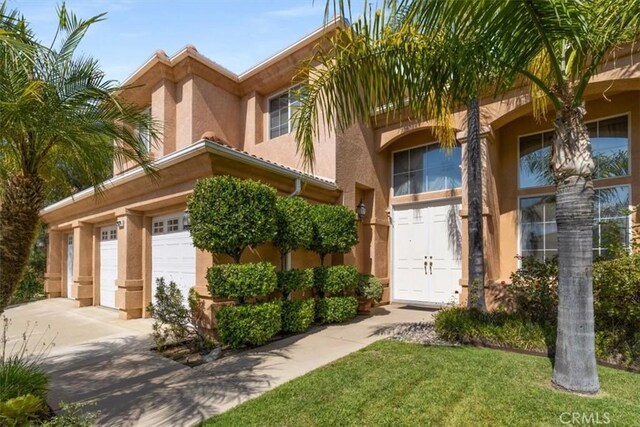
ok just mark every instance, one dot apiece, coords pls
pixel 427 249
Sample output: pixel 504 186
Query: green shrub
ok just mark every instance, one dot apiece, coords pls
pixel 229 214
pixel 21 410
pixel 616 302
pixel 336 279
pixel 336 309
pixel 293 223
pixel 253 324
pixel 335 229
pixel 295 280
pixel 241 281
pixel 73 415
pixel 616 289
pixel 297 315
pixel 369 287
pixel 19 377
pixel 176 323
pixel 499 328
pixel 534 290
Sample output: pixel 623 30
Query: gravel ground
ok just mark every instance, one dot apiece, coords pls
pixel 421 333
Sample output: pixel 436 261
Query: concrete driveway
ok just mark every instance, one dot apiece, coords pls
pixel 100 358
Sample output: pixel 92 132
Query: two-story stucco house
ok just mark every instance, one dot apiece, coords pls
pixel 109 250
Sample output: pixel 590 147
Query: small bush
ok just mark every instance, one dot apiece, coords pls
pixel 369 288
pixel 21 410
pixel 295 280
pixel 616 286
pixel 19 378
pixel 336 279
pixel 241 281
pixel 335 229
pixel 293 223
pixel 253 324
pixel 73 414
pixel 229 214
pixel 297 315
pixel 336 309
pixel 176 323
pixel 499 328
pixel 534 290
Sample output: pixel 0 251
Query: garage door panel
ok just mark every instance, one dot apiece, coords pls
pixel 173 255
pixel 108 266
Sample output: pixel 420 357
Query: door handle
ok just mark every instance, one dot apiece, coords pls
pixel 426 264
pixel 431 267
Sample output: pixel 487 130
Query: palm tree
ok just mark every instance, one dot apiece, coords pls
pixel 378 63
pixel 59 118
pixel 552 46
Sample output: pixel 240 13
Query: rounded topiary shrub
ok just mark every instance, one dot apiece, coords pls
pixel 336 309
pixel 335 229
pixel 295 280
pixel 252 324
pixel 336 279
pixel 229 214
pixel 293 224
pixel 297 315
pixel 241 281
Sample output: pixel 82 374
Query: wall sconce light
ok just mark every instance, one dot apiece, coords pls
pixel 120 223
pixel 361 210
pixel 186 220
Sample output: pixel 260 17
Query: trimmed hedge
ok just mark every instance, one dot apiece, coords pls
pixel 252 324
pixel 335 229
pixel 336 279
pixel 295 280
pixel 336 309
pixel 228 214
pixel 240 281
pixel 297 315
pixel 293 223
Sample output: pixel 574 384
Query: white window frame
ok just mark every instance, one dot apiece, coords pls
pixel 289 110
pixel 629 146
pixel 552 193
pixel 392 190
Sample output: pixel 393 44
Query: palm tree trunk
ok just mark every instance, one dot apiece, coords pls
pixel 474 200
pixel 575 361
pixel 21 203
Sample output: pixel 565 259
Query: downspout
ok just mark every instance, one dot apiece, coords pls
pixel 298 188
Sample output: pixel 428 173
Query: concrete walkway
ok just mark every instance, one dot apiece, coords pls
pixel 110 363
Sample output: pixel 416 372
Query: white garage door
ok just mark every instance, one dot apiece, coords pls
pixel 70 266
pixel 172 253
pixel 427 246
pixel 108 266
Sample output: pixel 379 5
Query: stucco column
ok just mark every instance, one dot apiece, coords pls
pixel 53 276
pixel 83 264
pixel 130 260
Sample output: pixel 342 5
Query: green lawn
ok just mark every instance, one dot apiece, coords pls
pixel 398 384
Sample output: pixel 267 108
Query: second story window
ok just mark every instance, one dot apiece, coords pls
pixel 426 168
pixel 609 142
pixel 281 108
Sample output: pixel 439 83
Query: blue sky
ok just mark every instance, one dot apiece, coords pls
pixel 237 34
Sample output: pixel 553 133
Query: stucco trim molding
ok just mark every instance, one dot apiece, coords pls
pixel 191 151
